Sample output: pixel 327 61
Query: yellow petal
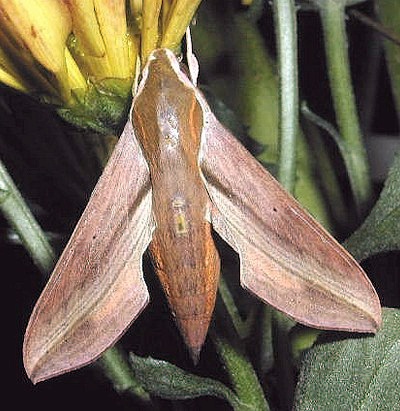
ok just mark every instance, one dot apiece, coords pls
pixel 111 15
pixel 85 27
pixel 150 27
pixel 9 74
pixel 133 51
pixel 41 26
pixel 180 15
pixel 76 79
pixel 11 81
pixel 22 61
pixel 166 9
pixel 136 6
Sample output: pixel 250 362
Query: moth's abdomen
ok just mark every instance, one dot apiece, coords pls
pixel 187 264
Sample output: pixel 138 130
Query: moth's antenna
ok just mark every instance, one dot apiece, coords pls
pixel 191 58
pixel 135 84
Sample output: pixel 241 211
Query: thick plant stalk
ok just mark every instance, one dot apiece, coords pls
pixel 354 154
pixel 20 218
pixel 286 34
pixel 242 374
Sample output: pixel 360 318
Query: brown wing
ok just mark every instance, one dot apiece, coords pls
pixel 97 289
pixel 287 259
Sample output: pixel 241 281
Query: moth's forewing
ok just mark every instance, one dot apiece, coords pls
pixel 97 288
pixel 287 259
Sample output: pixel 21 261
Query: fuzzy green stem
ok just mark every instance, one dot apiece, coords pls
pixel 228 342
pixel 243 377
pixel 20 218
pixel 118 370
pixel 281 326
pixel 333 21
pixel 231 307
pixel 286 35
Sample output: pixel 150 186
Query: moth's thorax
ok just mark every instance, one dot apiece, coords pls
pixel 167 115
pixel 168 120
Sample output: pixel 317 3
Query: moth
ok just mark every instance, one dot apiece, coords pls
pixel 176 175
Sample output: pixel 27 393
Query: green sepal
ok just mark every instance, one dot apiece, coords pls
pixel 102 108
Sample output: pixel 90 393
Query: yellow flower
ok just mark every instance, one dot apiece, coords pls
pixel 68 51
pixel 102 44
pixel 34 34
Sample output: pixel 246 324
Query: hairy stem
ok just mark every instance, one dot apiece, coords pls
pixel 286 35
pixel 354 153
pixel 20 218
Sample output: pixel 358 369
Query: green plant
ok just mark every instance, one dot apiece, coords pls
pixel 264 360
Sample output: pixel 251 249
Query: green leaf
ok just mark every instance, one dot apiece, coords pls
pixel 165 380
pixel 116 367
pixel 102 108
pixel 355 373
pixel 380 232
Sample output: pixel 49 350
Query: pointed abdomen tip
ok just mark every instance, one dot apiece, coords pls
pixel 195 354
pixel 194 332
